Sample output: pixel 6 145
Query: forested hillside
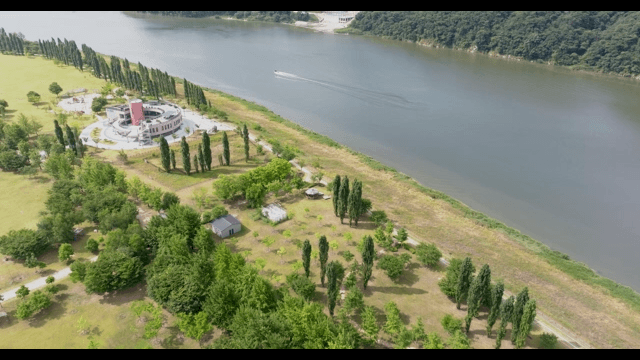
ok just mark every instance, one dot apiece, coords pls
pixel 275 16
pixel 597 40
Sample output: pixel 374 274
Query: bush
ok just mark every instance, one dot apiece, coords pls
pixel 458 340
pixel 451 324
pixel 98 103
pixel 393 265
pixel 36 302
pixel 92 245
pixel 214 213
pixel 379 217
pixel 50 280
pixel 302 286
pixel 21 243
pixel 428 254
pixel 348 255
pixel 548 341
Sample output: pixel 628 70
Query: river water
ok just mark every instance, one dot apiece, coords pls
pixel 550 152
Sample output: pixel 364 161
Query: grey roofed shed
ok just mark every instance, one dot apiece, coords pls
pixel 226 225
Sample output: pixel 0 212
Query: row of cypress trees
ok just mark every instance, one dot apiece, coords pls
pixel 66 51
pixel 201 160
pixel 72 139
pixel 194 94
pixel 347 202
pixel 11 42
pixel 519 311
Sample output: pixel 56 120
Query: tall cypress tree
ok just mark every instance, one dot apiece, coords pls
pixel 332 285
pixel 368 254
pixel 496 301
pixel 526 323
pixel 336 194
pixel 506 313
pixel 201 158
pixel 186 157
pixel 245 136
pixel 59 134
pixel 476 293
pixel 195 162
pixel 71 139
pixel 225 148
pixel 306 256
pixel 343 198
pixel 173 159
pixel 358 201
pixel 206 149
pixel 464 281
pixel 165 154
pixel 518 311
pixel 323 245
pixel 354 202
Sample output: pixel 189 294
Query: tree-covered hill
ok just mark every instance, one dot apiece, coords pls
pixel 275 16
pixel 597 40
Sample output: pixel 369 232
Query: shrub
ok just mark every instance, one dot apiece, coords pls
pixel 451 324
pixel 50 280
pixel 92 245
pixel 348 255
pixel 98 103
pixel 379 217
pixel 214 213
pixel 302 286
pixel 393 265
pixel 428 254
pixel 458 340
pixel 548 341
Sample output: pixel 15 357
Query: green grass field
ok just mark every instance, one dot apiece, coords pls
pixel 22 199
pixel 21 75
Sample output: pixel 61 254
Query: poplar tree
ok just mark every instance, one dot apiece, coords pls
pixel 336 191
pixel 206 149
pixel 358 201
pixel 71 139
pixel 173 159
pixel 245 136
pixel 464 281
pixel 506 312
pixel 354 202
pixel 225 150
pixel 186 157
pixel 476 293
pixel 343 198
pixel 368 254
pixel 496 301
pixel 526 323
pixel 332 285
pixel 201 158
pixel 518 311
pixel 165 154
pixel 323 245
pixel 59 134
pixel 195 162
pixel 306 256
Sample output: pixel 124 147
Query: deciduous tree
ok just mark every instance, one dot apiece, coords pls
pixel 368 254
pixel 496 301
pixel 526 323
pixel 464 281
pixel 518 311
pixel 64 252
pixel 323 245
pixel 506 313
pixel 306 257
pixel 225 149
pixel 55 89
pixel 186 156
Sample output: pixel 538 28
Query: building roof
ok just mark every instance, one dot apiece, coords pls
pixel 224 222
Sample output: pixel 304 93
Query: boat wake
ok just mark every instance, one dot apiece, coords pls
pixel 369 96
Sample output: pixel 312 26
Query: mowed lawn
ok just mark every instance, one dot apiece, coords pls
pixel 111 322
pixel 21 75
pixel 21 199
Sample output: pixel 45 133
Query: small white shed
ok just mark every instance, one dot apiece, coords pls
pixel 274 212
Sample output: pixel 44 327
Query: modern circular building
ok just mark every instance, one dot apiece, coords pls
pixel 142 121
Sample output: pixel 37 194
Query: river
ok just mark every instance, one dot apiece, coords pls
pixel 550 152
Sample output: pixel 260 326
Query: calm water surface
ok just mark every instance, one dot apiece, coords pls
pixel 550 152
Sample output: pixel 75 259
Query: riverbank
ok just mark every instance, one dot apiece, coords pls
pixel 474 50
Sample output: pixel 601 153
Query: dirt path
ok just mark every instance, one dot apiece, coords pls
pixel 41 282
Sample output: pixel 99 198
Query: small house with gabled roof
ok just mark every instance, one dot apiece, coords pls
pixel 226 225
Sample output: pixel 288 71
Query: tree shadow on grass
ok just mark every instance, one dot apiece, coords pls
pixel 121 297
pixel 56 311
pixel 394 290
pixel 9 320
pixel 408 277
pixel 174 340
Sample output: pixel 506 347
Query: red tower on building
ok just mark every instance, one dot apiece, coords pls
pixel 137 113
